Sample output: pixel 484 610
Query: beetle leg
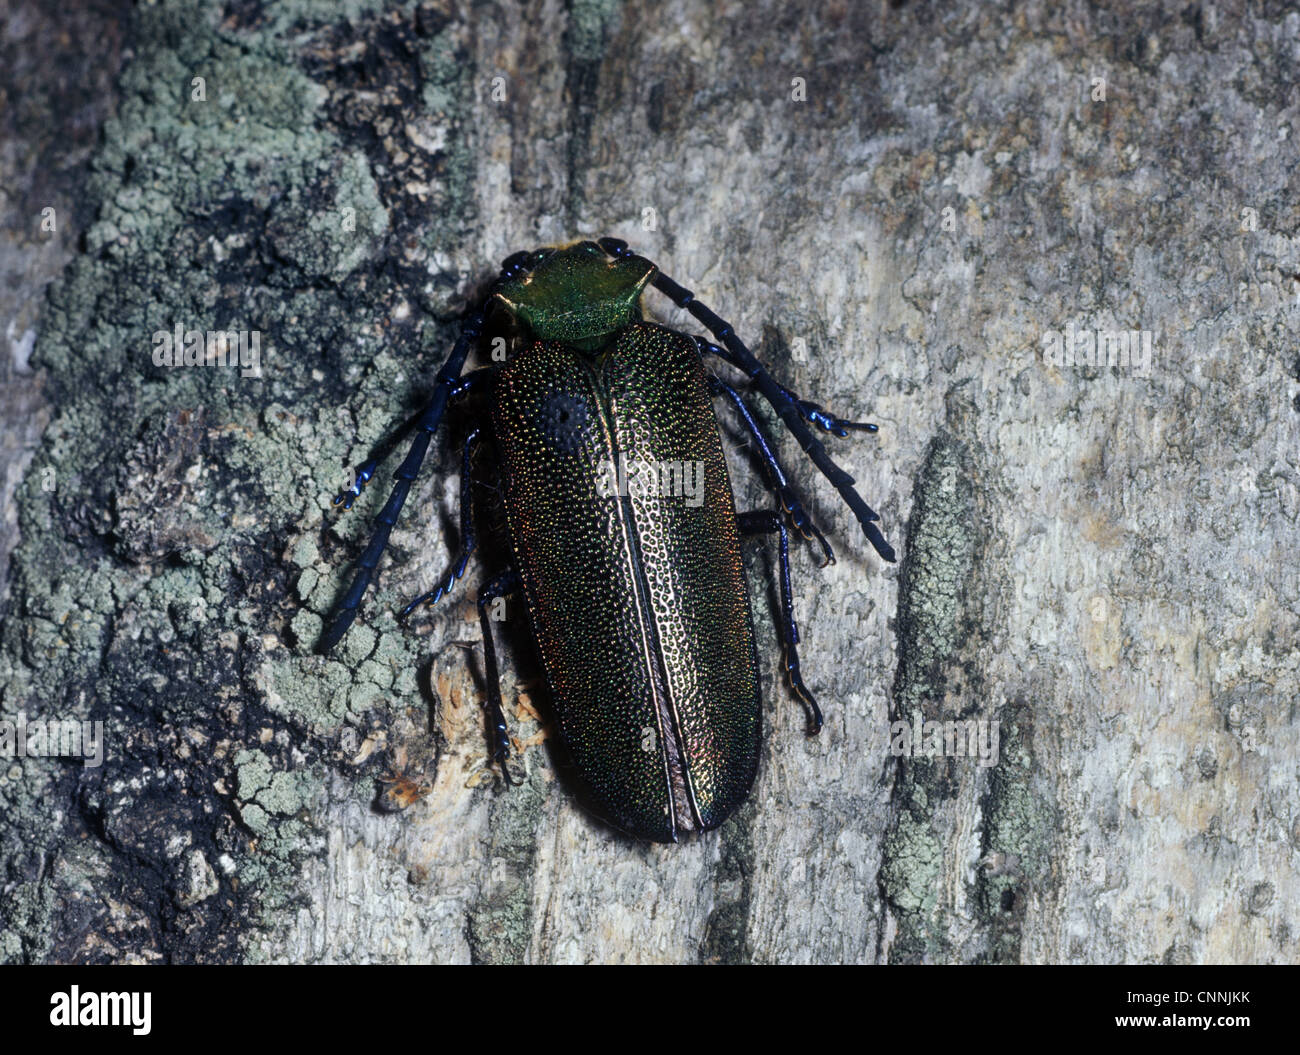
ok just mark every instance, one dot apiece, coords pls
pixel 764 522
pixel 367 469
pixel 776 479
pixel 811 412
pixel 824 419
pixel 406 473
pixel 361 476
pixel 779 397
pixel 505 583
pixel 469 540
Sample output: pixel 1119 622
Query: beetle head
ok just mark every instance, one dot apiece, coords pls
pixel 577 294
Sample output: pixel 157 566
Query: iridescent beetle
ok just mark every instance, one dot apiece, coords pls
pixel 636 596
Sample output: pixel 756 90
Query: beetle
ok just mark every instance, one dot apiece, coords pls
pixel 636 595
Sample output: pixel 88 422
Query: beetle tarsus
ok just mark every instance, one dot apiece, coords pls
pixel 808 531
pixel 775 474
pixel 801 691
pixel 814 716
pixel 360 478
pixel 766 522
pixel 432 597
pixel 817 415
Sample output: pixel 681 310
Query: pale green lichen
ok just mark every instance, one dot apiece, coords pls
pixel 589 22
pixel 913 860
pixel 939 561
pixel 500 922
pixel 246 209
pixel 940 554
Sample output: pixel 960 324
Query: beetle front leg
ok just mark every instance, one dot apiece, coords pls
pixel 469 540
pixel 505 583
pixel 811 412
pixel 406 473
pixel 776 479
pixel 764 522
pixel 363 472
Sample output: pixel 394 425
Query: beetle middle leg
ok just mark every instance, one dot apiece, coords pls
pixel 468 538
pixel 781 398
pixel 505 583
pixel 765 522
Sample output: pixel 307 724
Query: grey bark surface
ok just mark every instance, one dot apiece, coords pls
pixel 897 207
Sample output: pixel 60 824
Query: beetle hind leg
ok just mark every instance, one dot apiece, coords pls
pixel 505 583
pixel 469 540
pixel 765 522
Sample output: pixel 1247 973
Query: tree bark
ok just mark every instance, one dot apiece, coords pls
pixel 938 220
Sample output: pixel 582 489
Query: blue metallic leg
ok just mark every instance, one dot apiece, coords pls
pixel 780 398
pixel 811 412
pixel 776 480
pixel 764 522
pixel 468 539
pixel 367 469
pixel 361 476
pixel 448 376
pixel 505 583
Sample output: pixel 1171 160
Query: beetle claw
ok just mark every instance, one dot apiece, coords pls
pixel 803 523
pixel 814 714
pixel 432 597
pixel 351 493
pixel 828 422
pixel 828 554
pixel 800 690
